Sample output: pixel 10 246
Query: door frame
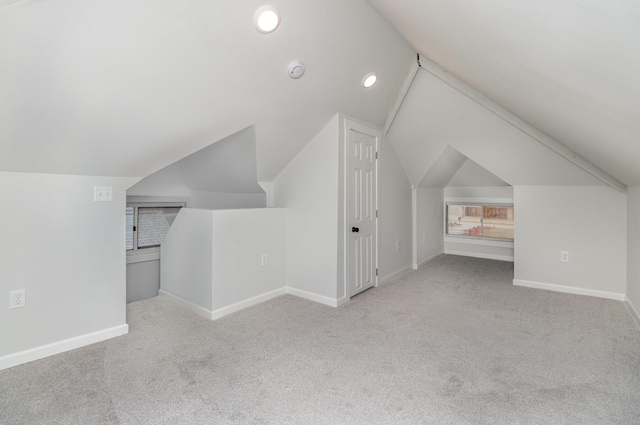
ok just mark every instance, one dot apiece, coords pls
pixel 349 124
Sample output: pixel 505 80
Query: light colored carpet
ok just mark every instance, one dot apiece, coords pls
pixel 452 343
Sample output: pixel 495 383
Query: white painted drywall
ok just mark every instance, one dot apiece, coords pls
pixel 159 190
pixel 480 193
pixel 429 224
pixel 67 251
pixel 481 248
pixel 436 112
pixel 186 269
pixel 308 188
pixel 223 201
pixel 471 174
pixel 143 280
pixel 240 239
pixel 213 259
pixel 493 250
pixel 633 247
pixel 394 220
pixel 588 222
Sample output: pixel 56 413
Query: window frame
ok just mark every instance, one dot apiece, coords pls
pixel 146 253
pixel 480 239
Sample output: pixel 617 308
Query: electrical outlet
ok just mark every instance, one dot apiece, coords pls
pixel 564 256
pixel 18 299
pixel 264 260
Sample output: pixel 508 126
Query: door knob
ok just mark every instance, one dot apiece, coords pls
pixel 355 229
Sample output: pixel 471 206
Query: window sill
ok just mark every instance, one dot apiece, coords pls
pixel 478 241
pixel 142 255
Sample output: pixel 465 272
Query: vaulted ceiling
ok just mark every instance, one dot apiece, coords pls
pixel 124 88
pixel 570 68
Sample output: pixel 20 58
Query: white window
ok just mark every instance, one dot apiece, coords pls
pixel 490 221
pixel 147 224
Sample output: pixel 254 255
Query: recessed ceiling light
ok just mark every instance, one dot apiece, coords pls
pixel 369 80
pixel 266 19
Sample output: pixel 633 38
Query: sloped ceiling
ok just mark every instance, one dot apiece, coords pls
pixel 571 68
pixel 124 88
pixel 471 174
pixel 443 169
pixel 227 166
pixel 452 169
pixel 434 116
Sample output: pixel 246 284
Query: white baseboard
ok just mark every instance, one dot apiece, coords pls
pixel 428 260
pixel 43 351
pixel 393 276
pixel 258 299
pixel 570 289
pixel 221 312
pixel 480 255
pixel 331 302
pixel 632 310
pixel 194 308
pixel 342 301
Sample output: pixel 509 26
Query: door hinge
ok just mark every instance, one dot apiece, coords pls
pixel 376 155
pixel 376 272
pixel 376 213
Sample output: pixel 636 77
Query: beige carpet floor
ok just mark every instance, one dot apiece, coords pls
pixel 452 343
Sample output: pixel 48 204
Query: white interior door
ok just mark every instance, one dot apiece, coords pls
pixel 362 203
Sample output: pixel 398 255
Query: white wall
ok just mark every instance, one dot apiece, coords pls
pixel 223 201
pixel 143 279
pixel 68 252
pixel 483 192
pixel 481 248
pixel 394 219
pixel 633 247
pixel 308 188
pixel 240 239
pixel 588 222
pixel 186 269
pixel 429 224
pixel 212 260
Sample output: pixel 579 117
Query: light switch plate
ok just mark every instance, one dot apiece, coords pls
pixel 102 193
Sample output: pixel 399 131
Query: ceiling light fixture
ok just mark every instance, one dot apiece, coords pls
pixel 369 80
pixel 266 19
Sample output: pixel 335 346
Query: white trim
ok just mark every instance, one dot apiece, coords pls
pixel 310 296
pixel 404 89
pixel 427 260
pixel 224 311
pixel 396 275
pixel 632 310
pixel 570 289
pixel 194 308
pixel 241 305
pixel 480 255
pixel 54 348
pixel 474 240
pixel 349 124
pixel 414 227
pixel 147 254
pixel 509 117
pixel 341 301
pixel 467 200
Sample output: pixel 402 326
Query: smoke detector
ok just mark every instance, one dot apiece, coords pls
pixel 296 69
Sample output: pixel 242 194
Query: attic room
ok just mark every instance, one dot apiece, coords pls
pixel 314 243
